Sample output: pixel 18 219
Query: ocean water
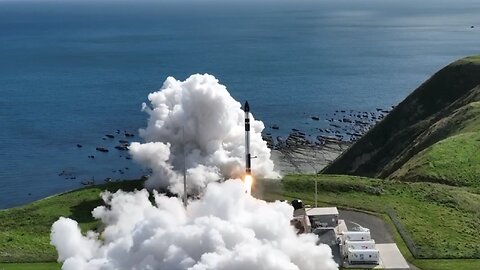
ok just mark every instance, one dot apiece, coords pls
pixel 71 72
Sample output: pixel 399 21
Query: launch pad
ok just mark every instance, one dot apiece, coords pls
pixel 352 246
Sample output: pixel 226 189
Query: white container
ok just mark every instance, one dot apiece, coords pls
pixel 356 236
pixel 364 256
pixel 370 244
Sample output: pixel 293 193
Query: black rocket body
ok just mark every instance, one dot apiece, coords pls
pixel 248 168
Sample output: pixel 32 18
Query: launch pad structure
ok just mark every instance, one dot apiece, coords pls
pixel 351 247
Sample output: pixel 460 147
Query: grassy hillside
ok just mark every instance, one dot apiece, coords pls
pixel 453 161
pixel 25 231
pixel 443 106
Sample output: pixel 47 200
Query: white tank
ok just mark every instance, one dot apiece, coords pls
pixel 370 244
pixel 363 256
pixel 356 236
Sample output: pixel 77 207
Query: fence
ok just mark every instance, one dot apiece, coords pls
pixel 403 232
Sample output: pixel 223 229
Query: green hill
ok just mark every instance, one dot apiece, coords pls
pixel 418 140
pixel 452 161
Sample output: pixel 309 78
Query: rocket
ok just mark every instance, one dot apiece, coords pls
pixel 246 109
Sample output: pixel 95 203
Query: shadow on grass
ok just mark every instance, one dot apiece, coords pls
pixel 82 212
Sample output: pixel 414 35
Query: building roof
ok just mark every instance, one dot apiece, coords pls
pixel 322 211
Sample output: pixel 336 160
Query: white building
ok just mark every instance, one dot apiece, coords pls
pixel 358 247
pixel 309 219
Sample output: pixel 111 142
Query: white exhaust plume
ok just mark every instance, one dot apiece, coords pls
pixel 224 229
pixel 197 123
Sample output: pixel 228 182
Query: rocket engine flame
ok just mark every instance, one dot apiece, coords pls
pixel 248 181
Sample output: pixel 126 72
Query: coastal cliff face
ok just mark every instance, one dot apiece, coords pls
pixel 442 107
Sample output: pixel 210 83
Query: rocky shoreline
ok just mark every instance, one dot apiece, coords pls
pixel 306 158
pixel 301 151
pixel 310 151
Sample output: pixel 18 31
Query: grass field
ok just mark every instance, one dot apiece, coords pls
pixel 451 264
pixel 30 266
pixel 442 220
pixel 25 233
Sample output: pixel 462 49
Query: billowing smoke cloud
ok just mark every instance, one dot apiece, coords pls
pixel 224 229
pixel 197 124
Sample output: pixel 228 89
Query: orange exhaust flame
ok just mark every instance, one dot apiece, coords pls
pixel 248 180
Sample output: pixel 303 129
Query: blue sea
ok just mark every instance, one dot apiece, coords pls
pixel 73 71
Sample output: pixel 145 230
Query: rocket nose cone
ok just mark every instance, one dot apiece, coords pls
pixel 246 107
